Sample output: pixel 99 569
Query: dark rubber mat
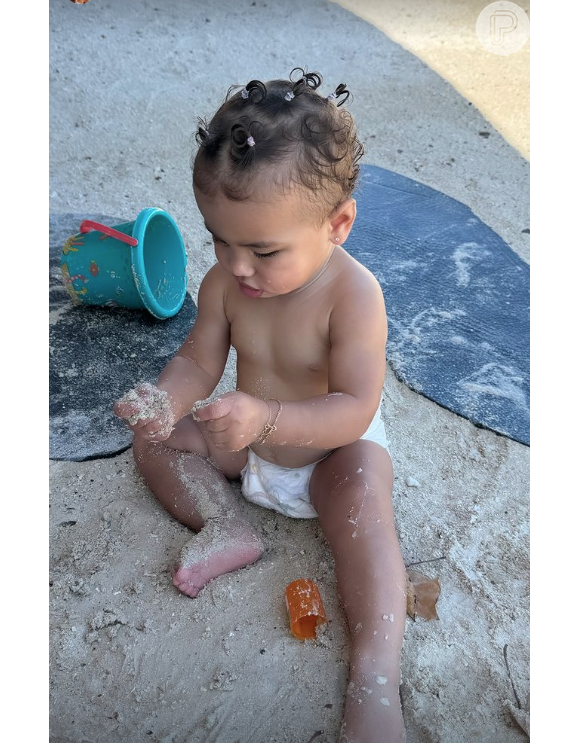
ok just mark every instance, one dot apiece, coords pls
pixel 96 355
pixel 457 298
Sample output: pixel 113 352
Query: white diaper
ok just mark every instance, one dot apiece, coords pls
pixel 285 489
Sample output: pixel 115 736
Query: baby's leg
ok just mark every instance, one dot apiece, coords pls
pixel 196 493
pixel 351 492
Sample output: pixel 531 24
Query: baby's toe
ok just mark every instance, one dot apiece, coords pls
pixel 186 583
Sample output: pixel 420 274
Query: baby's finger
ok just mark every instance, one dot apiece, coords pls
pixel 155 436
pixel 137 423
pixel 150 426
pixel 159 436
pixel 137 397
pixel 145 390
pixel 210 411
pixel 215 427
pixel 140 433
pixel 125 409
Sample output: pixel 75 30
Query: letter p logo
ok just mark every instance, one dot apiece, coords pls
pixel 502 22
pixel 502 28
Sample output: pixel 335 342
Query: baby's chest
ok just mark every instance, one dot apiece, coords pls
pixel 285 343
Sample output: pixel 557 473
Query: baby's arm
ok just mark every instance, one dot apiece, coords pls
pixel 356 373
pixel 196 369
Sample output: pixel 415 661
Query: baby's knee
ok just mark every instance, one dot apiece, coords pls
pixel 187 436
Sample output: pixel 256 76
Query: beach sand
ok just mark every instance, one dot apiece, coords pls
pixel 132 659
pixel 131 655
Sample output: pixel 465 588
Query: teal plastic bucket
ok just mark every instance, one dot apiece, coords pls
pixel 140 264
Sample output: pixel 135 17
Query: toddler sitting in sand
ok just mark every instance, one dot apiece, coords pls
pixel 273 178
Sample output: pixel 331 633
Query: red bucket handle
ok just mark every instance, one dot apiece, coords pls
pixel 87 225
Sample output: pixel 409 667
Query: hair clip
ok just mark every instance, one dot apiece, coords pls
pixel 338 93
pixel 255 91
pixel 250 141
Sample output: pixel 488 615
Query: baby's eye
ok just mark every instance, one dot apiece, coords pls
pixel 266 255
pixel 258 255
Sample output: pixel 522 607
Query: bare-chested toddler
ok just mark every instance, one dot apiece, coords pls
pixel 273 178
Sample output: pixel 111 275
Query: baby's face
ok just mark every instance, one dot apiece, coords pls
pixel 271 246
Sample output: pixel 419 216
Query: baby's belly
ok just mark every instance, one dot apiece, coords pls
pixel 270 386
pixel 288 456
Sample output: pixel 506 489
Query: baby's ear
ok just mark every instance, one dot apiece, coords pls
pixel 342 218
pixel 353 207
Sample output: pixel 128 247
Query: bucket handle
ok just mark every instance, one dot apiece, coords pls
pixel 87 225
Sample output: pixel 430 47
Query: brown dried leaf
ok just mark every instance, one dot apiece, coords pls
pixel 411 598
pixel 422 595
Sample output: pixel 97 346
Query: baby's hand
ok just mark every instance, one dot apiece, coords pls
pixel 147 410
pixel 234 420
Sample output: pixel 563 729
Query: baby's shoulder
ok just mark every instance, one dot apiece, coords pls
pixel 216 278
pixel 212 289
pixel 353 278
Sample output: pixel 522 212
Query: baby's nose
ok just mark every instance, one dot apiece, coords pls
pixel 241 269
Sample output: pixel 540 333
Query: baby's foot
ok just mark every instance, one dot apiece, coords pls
pixel 221 546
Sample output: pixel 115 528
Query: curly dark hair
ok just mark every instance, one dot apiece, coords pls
pixel 279 135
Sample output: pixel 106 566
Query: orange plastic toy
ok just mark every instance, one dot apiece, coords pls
pixel 305 608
